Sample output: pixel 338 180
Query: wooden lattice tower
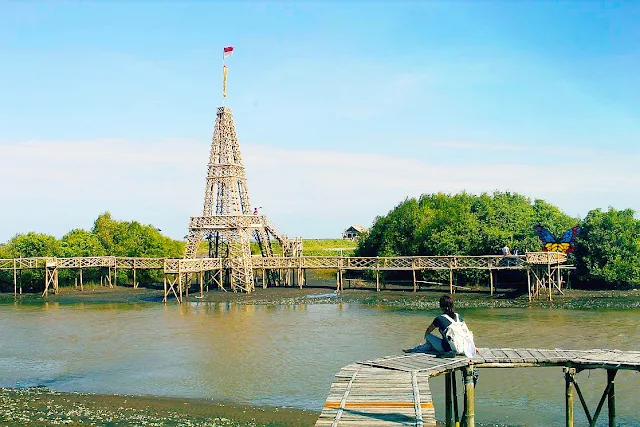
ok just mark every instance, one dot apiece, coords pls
pixel 227 220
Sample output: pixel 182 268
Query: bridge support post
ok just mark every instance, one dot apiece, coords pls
pixel 15 279
pixel 569 374
pixel 469 397
pixel 611 398
pixel 491 280
pixel 448 410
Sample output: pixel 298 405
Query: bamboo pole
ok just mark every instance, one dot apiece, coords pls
pixel 415 284
pixel 549 279
pixel 469 397
pixel 135 284
pixel 165 288
pixel 559 278
pixel 491 280
pixel 529 283
pixel 15 279
pixel 451 281
pixel 448 410
pixel 611 398
pixel 454 388
pixel 377 280
pixel 81 282
pixel 568 382
pixel 264 278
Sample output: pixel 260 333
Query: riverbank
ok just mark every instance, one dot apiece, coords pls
pixel 396 297
pixel 39 406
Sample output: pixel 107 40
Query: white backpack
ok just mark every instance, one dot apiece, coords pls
pixel 459 337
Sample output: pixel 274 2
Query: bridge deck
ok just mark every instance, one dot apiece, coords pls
pixel 394 390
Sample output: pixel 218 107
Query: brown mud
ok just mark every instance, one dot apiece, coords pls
pixel 42 407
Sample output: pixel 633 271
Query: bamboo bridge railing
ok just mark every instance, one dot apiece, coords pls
pixel 544 267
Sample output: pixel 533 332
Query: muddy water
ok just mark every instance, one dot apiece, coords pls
pixel 287 355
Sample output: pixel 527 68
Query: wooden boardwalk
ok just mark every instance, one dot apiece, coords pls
pixel 544 267
pixel 394 390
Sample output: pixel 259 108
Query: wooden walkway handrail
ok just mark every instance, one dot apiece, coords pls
pixel 448 262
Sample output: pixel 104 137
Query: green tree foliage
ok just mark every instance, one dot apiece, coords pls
pixel 461 224
pixel 132 239
pixel 608 250
pixel 33 245
pixel 80 243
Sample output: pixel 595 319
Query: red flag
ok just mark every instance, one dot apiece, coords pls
pixel 227 51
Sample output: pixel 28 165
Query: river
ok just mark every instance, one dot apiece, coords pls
pixel 287 355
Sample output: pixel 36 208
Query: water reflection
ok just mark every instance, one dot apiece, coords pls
pixel 288 354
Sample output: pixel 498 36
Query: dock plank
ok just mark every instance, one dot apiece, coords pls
pixel 394 390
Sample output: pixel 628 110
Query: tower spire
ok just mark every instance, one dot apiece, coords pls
pixel 226 218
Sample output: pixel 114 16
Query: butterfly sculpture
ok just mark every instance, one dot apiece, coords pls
pixel 564 244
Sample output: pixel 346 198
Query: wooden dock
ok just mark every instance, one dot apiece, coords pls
pixel 394 390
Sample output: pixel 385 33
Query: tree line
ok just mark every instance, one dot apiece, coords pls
pixel 107 237
pixel 607 253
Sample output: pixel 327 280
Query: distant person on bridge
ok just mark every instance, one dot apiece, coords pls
pixel 506 251
pixel 456 337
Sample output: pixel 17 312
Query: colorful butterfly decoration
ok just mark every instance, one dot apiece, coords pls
pixel 565 244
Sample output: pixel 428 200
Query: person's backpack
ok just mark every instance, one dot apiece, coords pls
pixel 459 337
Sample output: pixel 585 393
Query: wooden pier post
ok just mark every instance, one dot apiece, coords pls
pixel 81 282
pixel 529 282
pixel 135 284
pixel 15 279
pixel 491 280
pixel 550 280
pixel 469 397
pixel 165 288
pixel 415 284
pixel 451 281
pixel 455 398
pixel 377 280
pixel 568 382
pixel 448 410
pixel 611 398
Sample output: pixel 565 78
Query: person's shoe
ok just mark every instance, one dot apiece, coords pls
pixel 447 354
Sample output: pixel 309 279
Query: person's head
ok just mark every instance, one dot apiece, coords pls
pixel 446 303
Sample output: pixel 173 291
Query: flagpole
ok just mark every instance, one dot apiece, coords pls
pixel 223 79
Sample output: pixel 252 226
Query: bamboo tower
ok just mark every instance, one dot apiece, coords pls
pixel 227 220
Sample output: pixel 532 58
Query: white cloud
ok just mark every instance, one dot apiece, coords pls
pixel 313 193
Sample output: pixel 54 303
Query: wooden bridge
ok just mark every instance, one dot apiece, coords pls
pixel 394 390
pixel 544 269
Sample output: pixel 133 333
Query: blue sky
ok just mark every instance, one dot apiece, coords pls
pixel 342 111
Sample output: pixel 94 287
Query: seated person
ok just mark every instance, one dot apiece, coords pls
pixel 434 344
